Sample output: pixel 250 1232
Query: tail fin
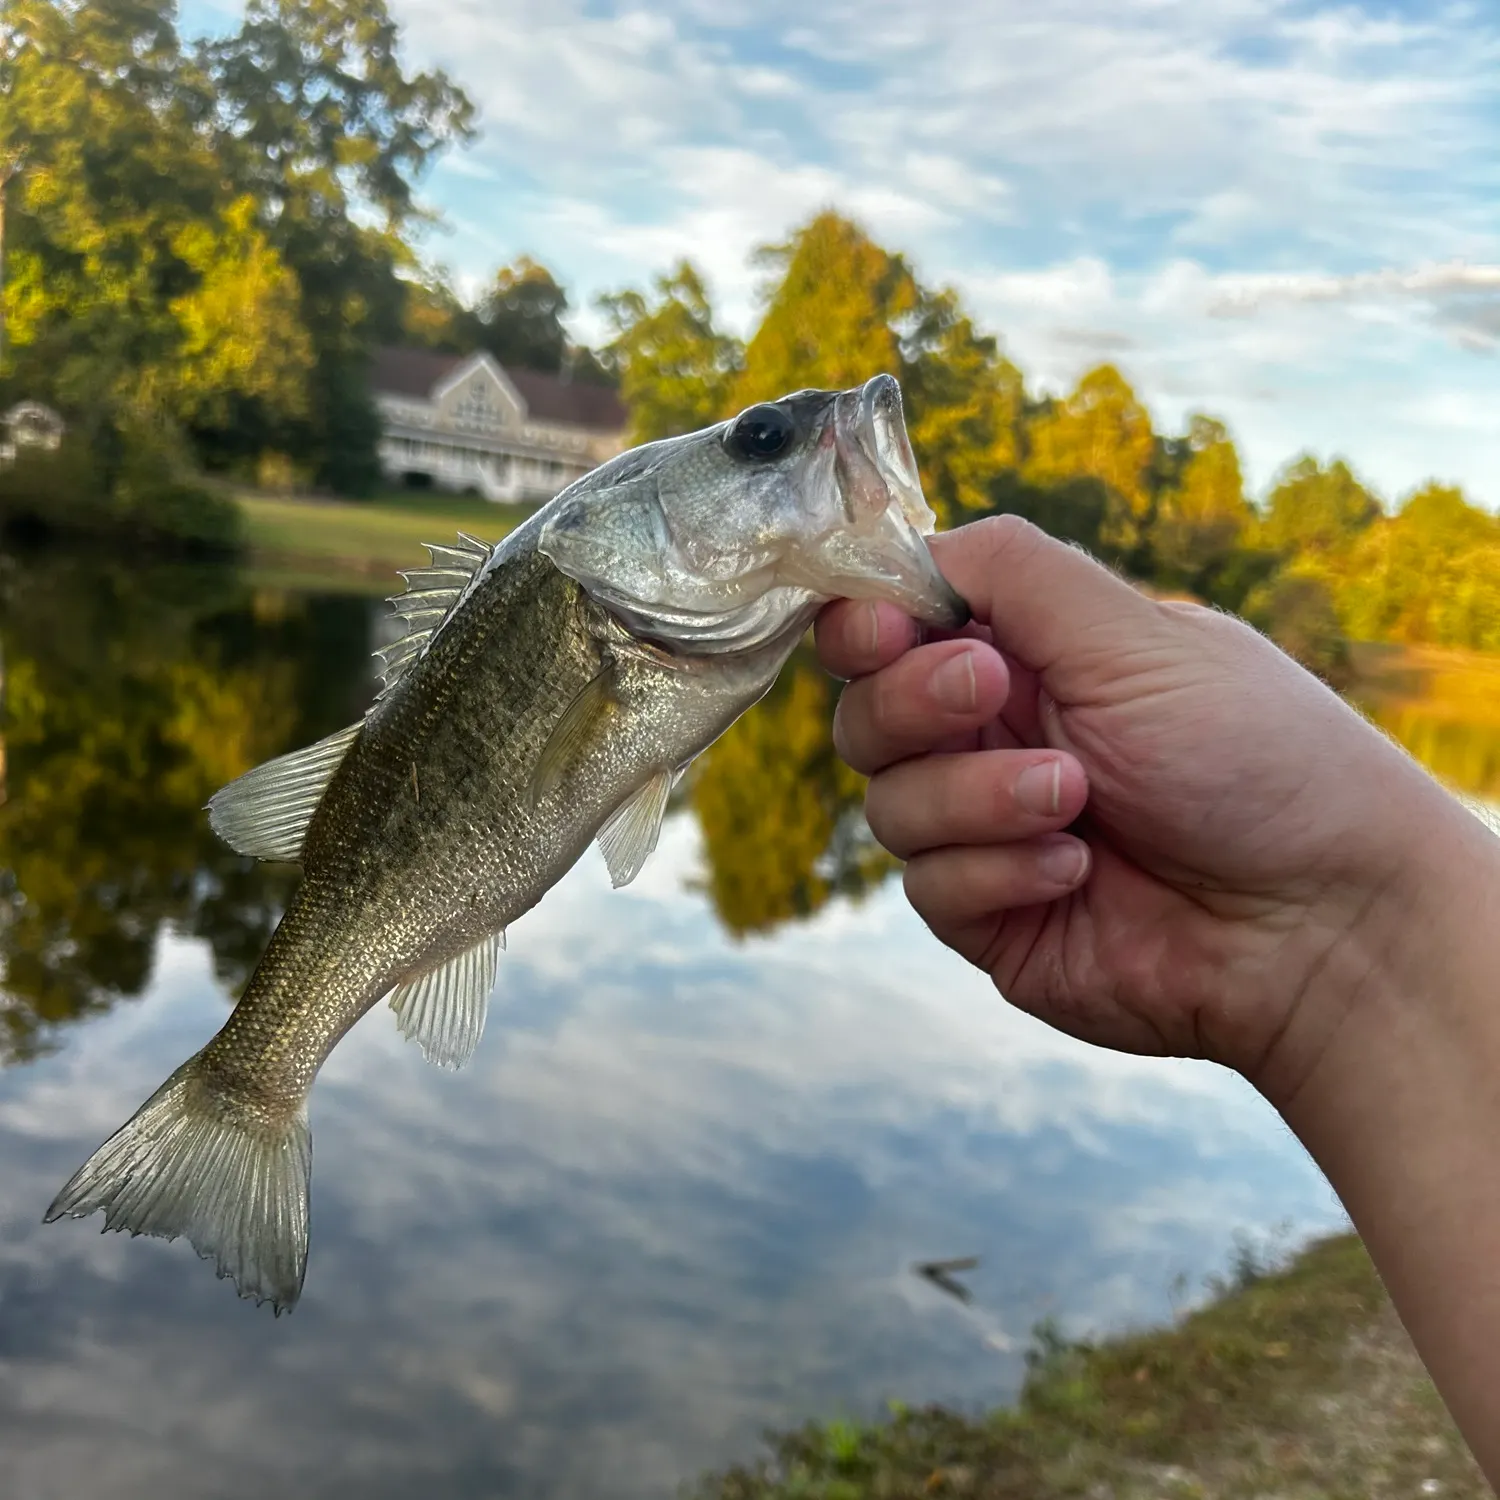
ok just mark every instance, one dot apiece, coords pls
pixel 188 1163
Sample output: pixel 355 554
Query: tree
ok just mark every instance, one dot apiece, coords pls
pixel 1317 512
pixel 832 320
pixel 317 119
pixel 1201 519
pixel 964 403
pixel 1099 435
pixel 843 310
pixel 675 367
pixel 434 316
pixel 520 318
pixel 1430 574
pixel 105 114
pixel 242 341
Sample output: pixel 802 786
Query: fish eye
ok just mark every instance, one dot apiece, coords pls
pixel 761 432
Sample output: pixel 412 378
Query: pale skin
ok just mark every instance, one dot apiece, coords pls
pixel 1250 873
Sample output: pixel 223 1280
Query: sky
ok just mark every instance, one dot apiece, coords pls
pixel 1284 214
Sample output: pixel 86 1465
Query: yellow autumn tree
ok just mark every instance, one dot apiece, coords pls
pixel 1101 434
pixel 242 334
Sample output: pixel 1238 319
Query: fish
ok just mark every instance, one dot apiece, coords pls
pixel 547 694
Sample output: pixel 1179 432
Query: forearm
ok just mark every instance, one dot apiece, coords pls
pixel 1402 1111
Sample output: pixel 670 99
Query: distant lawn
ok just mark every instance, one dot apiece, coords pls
pixel 374 536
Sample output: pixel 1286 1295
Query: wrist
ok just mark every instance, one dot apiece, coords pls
pixel 1400 1106
pixel 1392 949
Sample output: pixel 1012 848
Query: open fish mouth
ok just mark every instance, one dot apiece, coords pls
pixel 881 553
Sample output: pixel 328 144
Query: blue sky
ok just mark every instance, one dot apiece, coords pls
pixel 1286 214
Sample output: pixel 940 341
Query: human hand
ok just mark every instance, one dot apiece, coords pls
pixel 1242 848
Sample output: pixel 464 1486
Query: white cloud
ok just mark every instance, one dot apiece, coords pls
pixel 1245 293
pixel 1100 178
pixel 1325 166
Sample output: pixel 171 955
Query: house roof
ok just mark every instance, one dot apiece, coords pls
pixel 417 372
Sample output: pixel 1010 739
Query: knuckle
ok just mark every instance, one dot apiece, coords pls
pixel 878 808
pixel 916 883
pixel 1010 536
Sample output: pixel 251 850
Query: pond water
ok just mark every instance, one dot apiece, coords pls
pixel 677 1196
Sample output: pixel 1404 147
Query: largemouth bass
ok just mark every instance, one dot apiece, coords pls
pixel 547 693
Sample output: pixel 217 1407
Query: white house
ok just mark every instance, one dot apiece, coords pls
pixel 29 424
pixel 461 422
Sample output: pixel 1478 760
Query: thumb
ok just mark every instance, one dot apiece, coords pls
pixel 1049 605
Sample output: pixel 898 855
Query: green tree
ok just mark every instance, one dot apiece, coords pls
pixel 1201 529
pixel 434 316
pixel 316 117
pixel 675 366
pixel 520 318
pixel 964 403
pixel 845 309
pixel 106 115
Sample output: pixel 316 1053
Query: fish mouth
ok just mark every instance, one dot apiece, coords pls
pixel 881 553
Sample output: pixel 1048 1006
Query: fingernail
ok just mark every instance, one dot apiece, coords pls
pixel 1063 864
pixel 1038 789
pixel 864 629
pixel 953 683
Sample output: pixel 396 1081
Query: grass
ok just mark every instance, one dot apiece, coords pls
pixel 1296 1382
pixel 375 536
pixel 1443 705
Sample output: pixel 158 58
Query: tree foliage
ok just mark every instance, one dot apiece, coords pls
pixel 212 237
pixel 676 368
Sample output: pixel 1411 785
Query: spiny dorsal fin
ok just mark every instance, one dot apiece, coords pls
pixel 429 598
pixel 443 1010
pixel 630 832
pixel 265 812
pixel 575 732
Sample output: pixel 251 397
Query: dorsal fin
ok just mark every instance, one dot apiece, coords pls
pixel 429 598
pixel 265 812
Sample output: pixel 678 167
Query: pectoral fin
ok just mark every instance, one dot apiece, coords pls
pixel 265 812
pixel 575 733
pixel 630 832
pixel 443 1010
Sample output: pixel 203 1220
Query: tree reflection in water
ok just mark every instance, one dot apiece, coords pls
pixel 131 694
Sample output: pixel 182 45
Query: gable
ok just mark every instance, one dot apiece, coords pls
pixel 477 397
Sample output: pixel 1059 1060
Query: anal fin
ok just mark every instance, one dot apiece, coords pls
pixel 443 1010
pixel 629 834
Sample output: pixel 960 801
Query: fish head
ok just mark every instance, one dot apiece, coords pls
pixel 720 538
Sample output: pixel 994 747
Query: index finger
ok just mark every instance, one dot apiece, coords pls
pixel 1048 604
pixel 858 636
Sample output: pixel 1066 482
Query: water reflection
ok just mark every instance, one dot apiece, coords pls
pixel 781 813
pixel 676 1197
pixel 130 696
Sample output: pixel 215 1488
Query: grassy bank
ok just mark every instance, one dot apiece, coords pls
pixel 374 537
pixel 1298 1383
pixel 1443 705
